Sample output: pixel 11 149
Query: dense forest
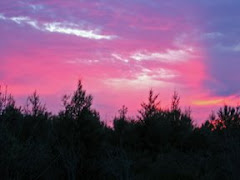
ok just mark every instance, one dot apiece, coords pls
pixel 75 144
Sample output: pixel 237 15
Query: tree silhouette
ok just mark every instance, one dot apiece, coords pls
pixel 34 106
pixel 74 144
pixel 78 132
pixel 150 108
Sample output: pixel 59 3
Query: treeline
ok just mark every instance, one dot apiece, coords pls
pixel 75 144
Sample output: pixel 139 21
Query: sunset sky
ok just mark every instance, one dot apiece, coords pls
pixel 121 49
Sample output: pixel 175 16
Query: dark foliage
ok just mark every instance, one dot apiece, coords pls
pixel 75 144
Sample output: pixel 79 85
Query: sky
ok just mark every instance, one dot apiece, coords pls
pixel 122 49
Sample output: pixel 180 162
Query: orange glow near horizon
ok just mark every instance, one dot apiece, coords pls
pixel 208 102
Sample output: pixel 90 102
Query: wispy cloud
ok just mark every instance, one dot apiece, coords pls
pixel 160 77
pixel 212 35
pixel 228 48
pixel 25 20
pixel 160 74
pixel 59 27
pixel 36 7
pixel 141 81
pixel 169 56
pixel 119 57
pixel 81 61
pixel 64 29
pixel 237 48
pixel 2 17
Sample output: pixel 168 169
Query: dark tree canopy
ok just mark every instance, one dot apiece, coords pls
pixel 75 144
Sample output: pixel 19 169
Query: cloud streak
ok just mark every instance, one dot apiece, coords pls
pixel 170 56
pixel 58 27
